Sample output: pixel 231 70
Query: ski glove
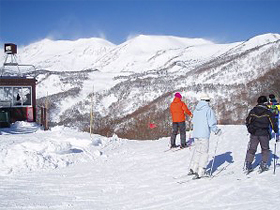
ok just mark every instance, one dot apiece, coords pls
pixel 218 132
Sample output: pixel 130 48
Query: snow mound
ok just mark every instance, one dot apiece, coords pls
pixel 43 150
pixel 24 124
pixel 20 127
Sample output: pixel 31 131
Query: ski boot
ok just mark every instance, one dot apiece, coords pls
pixel 263 167
pixel 173 146
pixel 191 172
pixel 196 176
pixel 249 167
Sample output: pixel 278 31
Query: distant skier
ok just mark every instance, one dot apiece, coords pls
pixel 204 121
pixel 274 107
pixel 178 109
pixel 258 122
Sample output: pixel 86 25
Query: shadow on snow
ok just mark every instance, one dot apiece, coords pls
pixel 220 160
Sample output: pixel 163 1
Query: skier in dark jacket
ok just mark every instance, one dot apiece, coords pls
pixel 258 122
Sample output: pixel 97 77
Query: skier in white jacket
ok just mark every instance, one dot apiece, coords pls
pixel 204 121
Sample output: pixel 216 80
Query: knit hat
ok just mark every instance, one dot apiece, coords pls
pixel 262 99
pixel 178 95
pixel 272 99
pixel 271 96
pixel 204 97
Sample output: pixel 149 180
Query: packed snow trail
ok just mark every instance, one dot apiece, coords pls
pixel 136 175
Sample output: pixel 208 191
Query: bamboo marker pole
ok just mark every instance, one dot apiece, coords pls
pixel 91 114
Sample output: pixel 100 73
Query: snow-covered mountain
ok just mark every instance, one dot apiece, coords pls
pixel 143 53
pixel 63 55
pixel 133 83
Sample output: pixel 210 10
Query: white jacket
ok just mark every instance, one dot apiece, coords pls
pixel 204 120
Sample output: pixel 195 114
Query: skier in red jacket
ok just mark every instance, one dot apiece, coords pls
pixel 178 109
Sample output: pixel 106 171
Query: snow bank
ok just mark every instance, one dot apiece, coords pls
pixel 43 150
pixel 20 127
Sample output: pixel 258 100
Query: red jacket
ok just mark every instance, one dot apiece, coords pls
pixel 178 110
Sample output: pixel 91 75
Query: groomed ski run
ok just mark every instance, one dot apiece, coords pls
pixel 66 169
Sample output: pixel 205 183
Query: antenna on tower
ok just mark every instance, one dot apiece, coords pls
pixel 10 50
pixel 11 57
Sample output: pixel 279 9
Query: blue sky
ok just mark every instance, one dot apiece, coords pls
pixel 223 21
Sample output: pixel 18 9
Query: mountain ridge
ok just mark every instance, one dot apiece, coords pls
pixel 131 90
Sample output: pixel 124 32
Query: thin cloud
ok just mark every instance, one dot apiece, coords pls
pixel 132 35
pixel 102 35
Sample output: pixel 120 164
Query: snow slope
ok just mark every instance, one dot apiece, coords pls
pixel 62 55
pixel 139 54
pixel 132 55
pixel 143 53
pixel 66 169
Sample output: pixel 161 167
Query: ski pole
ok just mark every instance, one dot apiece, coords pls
pixel 214 157
pixel 190 141
pixel 274 169
pixel 192 158
pixel 248 146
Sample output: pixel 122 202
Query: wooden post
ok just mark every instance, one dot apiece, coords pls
pixel 46 113
pixel 42 116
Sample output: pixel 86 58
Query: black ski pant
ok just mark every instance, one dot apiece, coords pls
pixel 182 127
pixel 253 145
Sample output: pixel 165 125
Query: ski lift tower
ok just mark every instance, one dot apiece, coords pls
pixel 17 90
pixel 11 50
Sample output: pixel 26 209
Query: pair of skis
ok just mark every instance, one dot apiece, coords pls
pixel 259 171
pixel 188 143
pixel 190 178
pixel 274 159
pixel 177 147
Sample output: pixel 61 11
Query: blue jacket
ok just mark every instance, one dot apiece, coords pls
pixel 204 120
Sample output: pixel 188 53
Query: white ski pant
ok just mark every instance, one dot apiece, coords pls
pixel 200 156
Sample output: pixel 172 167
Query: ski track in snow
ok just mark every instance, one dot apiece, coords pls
pixel 118 174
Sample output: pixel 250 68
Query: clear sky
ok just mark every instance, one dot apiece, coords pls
pixel 223 21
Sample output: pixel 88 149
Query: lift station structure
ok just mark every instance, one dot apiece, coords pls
pixel 17 89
